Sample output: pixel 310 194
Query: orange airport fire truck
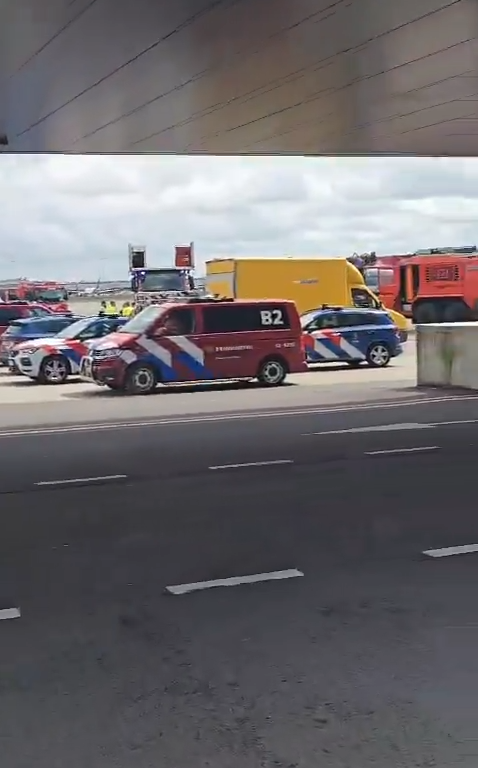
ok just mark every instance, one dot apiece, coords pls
pixel 430 286
pixel 51 294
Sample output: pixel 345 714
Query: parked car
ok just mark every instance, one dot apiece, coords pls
pixel 53 360
pixel 30 329
pixel 350 335
pixel 16 310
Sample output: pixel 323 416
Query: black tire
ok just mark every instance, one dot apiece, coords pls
pixel 54 370
pixel 455 312
pixel 378 355
pixel 140 379
pixel 272 372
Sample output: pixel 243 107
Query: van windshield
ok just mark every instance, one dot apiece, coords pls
pixel 144 319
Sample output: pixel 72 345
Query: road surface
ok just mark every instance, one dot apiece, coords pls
pixel 368 658
pixel 24 403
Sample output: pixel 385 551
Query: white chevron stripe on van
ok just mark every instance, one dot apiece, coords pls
pixel 189 348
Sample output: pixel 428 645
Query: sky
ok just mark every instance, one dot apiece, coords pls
pixel 72 217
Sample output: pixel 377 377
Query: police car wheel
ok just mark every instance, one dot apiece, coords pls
pixel 140 380
pixel 55 369
pixel 272 373
pixel 378 355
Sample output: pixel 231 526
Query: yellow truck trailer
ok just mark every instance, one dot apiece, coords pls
pixel 309 282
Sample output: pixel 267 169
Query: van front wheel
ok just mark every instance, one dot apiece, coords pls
pixel 140 380
pixel 272 372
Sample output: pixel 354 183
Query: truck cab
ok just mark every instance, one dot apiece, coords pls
pixel 156 284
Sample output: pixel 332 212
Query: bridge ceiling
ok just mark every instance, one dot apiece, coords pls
pixel 239 76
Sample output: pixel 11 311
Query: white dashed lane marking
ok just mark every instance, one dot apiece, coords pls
pixel 234 581
pixel 75 480
pixel 9 613
pixel 465 549
pixel 418 449
pixel 253 464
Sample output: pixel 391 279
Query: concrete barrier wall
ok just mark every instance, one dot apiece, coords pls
pixel 447 355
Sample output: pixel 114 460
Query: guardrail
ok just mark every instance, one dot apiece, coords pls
pixel 447 355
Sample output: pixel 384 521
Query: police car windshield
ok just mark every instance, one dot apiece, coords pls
pixel 307 318
pixel 75 328
pixel 143 320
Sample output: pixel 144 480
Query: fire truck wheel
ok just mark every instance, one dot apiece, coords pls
pixel 455 312
pixel 140 380
pixel 378 355
pixel 272 372
pixel 55 369
pixel 426 313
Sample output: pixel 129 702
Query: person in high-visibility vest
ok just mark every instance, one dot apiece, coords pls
pixel 127 310
pixel 111 308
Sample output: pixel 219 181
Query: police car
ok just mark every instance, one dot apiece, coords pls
pixel 53 360
pixel 350 335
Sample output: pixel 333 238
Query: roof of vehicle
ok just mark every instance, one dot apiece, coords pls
pixel 23 322
pixel 212 300
pixel 329 308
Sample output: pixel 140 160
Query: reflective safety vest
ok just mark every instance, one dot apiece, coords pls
pixel 127 311
pixel 110 310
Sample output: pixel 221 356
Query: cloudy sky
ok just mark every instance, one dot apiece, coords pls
pixel 72 217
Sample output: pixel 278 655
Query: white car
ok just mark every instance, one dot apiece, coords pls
pixel 53 360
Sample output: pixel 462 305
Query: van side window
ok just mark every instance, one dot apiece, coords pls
pixel 179 322
pixel 184 319
pixel 236 318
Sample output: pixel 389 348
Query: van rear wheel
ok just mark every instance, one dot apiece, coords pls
pixel 272 372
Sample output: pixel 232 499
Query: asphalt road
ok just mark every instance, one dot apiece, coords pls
pixel 23 402
pixel 367 659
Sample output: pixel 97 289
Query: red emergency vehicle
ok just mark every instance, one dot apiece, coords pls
pixel 431 286
pixel 200 339
pixel 49 294
pixel 18 310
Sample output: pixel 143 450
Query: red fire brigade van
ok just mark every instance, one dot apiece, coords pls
pixel 200 340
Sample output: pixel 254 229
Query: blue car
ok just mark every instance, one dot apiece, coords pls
pixel 350 335
pixel 29 329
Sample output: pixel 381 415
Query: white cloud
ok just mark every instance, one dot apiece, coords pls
pixel 72 217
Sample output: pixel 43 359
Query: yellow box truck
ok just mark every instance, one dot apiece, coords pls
pixel 309 282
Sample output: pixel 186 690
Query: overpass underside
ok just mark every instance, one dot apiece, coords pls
pixel 239 76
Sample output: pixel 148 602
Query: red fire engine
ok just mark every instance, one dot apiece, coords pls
pixel 430 286
pixel 53 295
